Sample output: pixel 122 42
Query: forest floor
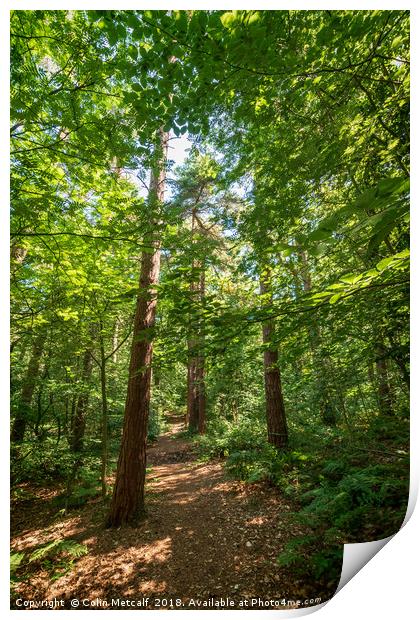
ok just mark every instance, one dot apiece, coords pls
pixel 205 536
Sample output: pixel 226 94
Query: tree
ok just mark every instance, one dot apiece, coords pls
pixel 128 497
pixel 29 382
pixel 79 420
pixel 275 274
pixel 275 409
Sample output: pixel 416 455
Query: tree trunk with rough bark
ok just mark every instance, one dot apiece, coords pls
pixel 104 416
pixel 275 409
pixel 201 386
pixel 79 420
pixel 20 421
pixel 127 503
pixel 192 396
pixel 193 345
pixel 115 340
pixel 196 400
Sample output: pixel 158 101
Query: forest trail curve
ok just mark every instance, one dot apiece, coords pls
pixel 204 536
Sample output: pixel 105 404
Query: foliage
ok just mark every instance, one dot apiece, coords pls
pixel 297 130
pixel 224 438
pixel 42 463
pixel 349 501
pixel 339 496
pixel 155 425
pixel 56 556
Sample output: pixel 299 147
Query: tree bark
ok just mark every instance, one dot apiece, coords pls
pixel 115 340
pixel 127 503
pixel 104 416
pixel 17 257
pixel 196 401
pixel 192 400
pixel 201 386
pixel 20 421
pixel 275 409
pixel 192 392
pixel 79 420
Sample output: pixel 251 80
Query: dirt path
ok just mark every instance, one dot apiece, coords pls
pixel 204 536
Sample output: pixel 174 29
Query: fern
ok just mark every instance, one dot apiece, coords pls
pixel 48 556
pixel 334 469
pixel 73 548
pixel 52 549
pixel 16 559
pixel 45 551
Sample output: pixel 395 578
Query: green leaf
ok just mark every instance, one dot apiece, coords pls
pixel 44 550
pixel 351 278
pixel 16 559
pixel 383 264
pixel 320 234
pixel 335 298
pixel 397 41
pixel 112 35
pixel 228 19
pixel 254 19
pixel 393 185
pixel 132 20
pixel 133 52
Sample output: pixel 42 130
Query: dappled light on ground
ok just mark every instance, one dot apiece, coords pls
pixel 203 535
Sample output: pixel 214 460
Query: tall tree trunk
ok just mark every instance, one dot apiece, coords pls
pixel 104 417
pixel 193 345
pixel 20 421
pixel 384 393
pixel 201 387
pixel 196 399
pixel 72 417
pixel 73 401
pixel 39 414
pixel 79 420
pixel 115 340
pixel 192 400
pixel 128 497
pixel 401 358
pixel 275 409
pixel 66 409
pixel 201 395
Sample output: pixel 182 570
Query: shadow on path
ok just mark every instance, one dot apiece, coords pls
pixel 204 536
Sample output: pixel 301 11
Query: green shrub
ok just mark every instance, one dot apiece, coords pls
pixel 41 462
pixel 224 438
pixel 346 487
pixel 350 504
pixel 154 426
pixel 354 503
pixel 78 497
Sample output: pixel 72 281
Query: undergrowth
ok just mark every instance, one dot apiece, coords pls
pixel 345 486
pixel 57 557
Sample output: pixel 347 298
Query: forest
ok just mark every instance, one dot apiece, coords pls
pixel 209 329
